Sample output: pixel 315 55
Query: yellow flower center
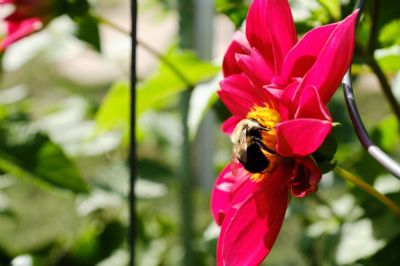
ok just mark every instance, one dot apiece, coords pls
pixel 267 117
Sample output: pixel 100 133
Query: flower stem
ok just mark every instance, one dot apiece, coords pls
pixel 357 181
pixel 149 49
pixel 373 64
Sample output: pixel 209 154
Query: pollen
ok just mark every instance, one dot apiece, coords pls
pixel 257 177
pixel 267 117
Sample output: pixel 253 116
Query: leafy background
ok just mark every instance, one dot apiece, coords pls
pixel 64 111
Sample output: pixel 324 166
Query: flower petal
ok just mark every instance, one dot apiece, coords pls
pixel 229 125
pixel 286 103
pixel 254 227
pixel 301 137
pixel 303 55
pixel 225 188
pixel 257 29
pixel 305 178
pixel 239 45
pixel 255 67
pixel 19 30
pixel 311 106
pixel 239 95
pixel 270 28
pixel 334 59
pixel 281 29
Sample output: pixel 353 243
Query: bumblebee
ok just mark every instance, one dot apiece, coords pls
pixel 251 149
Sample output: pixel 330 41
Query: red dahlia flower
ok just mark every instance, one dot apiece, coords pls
pixel 276 89
pixel 28 16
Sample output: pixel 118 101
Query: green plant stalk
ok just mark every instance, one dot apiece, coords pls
pixel 367 188
pixel 149 49
pixel 186 27
pixel 373 64
pixel 369 58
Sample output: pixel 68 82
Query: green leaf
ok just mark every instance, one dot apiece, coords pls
pixel 88 31
pixel 324 155
pixel 236 10
pixel 165 84
pixel 386 135
pixel 332 7
pixel 390 33
pixel 389 59
pixel 153 92
pixel 114 111
pixel 34 157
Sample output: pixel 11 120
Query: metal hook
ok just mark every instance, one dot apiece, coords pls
pixel 379 155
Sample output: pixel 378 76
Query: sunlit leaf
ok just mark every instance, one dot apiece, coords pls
pixel 165 83
pixel 332 7
pixel 114 110
pixel 34 157
pixel 389 59
pixel 387 133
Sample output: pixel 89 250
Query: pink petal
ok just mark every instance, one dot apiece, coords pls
pixel 303 55
pixel 257 29
pixel 286 103
pixel 305 178
pixel 281 29
pixel 311 105
pixel 255 67
pixel 254 227
pixel 239 45
pixel 19 30
pixel 229 125
pixel 225 189
pixel 301 137
pixel 334 59
pixel 239 95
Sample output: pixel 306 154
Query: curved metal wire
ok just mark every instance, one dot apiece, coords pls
pixel 392 166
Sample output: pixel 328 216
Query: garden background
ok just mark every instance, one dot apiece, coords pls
pixel 64 138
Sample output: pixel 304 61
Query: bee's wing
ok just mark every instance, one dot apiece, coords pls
pixel 237 147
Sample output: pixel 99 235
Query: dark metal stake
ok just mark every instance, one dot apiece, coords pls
pixel 132 148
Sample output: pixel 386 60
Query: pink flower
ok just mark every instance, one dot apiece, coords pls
pixel 277 89
pixel 28 17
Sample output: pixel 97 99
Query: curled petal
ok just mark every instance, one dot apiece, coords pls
pixel 229 125
pixel 239 95
pixel 301 137
pixel 311 106
pixel 257 29
pixel 255 225
pixel 270 28
pixel 286 103
pixel 255 67
pixel 281 29
pixel 305 178
pixel 303 55
pixel 225 189
pixel 239 45
pixel 333 60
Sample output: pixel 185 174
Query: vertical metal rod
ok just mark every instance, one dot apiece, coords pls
pixel 132 148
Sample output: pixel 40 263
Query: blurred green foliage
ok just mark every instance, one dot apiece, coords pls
pixel 63 150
